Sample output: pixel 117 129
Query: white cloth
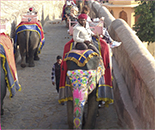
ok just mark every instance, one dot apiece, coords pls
pixel 70 2
pixel 81 34
pixel 89 19
pixel 30 13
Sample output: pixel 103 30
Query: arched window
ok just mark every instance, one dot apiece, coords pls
pixel 112 12
pixel 123 15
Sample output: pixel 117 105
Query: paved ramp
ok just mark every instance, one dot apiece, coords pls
pixel 36 106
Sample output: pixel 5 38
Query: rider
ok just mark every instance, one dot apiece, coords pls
pixel 82 32
pixel 73 14
pixel 106 36
pixel 31 11
pixel 66 9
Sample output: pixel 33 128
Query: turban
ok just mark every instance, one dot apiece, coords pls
pixel 30 9
pixel 83 16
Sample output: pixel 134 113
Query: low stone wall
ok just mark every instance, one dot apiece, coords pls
pixel 134 74
pixel 11 12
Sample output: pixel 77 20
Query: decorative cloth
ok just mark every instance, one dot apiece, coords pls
pixel 83 82
pixel 8 64
pixel 31 26
pixel 80 57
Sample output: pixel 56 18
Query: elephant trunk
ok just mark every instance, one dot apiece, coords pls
pixel 82 85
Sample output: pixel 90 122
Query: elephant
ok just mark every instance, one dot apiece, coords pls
pixel 30 38
pixel 95 60
pixel 84 70
pixel 8 72
pixel 3 87
pixel 28 42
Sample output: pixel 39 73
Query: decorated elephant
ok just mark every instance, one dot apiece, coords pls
pixel 84 83
pixel 3 86
pixel 30 38
pixel 8 72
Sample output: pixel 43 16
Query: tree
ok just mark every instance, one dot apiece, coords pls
pixel 145 25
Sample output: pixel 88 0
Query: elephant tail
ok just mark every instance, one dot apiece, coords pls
pixel 27 43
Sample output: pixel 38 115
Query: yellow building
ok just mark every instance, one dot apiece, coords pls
pixel 123 9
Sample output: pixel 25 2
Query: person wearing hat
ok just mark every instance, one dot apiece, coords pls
pixel 31 11
pixel 105 35
pixel 72 16
pixel 82 32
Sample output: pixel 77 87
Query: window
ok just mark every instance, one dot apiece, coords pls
pixel 123 15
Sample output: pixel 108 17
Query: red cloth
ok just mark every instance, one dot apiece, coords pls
pixel 83 16
pixel 30 9
pixel 74 1
pixel 8 47
pixel 64 65
pixel 106 60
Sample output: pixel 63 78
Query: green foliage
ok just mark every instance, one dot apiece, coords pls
pixel 145 26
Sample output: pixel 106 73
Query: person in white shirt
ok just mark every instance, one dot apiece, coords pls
pixel 106 36
pixel 82 33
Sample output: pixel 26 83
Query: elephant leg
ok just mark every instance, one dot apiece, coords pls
pixel 70 114
pixel 36 57
pixel 92 111
pixel 22 48
pixel 3 88
pixel 33 44
pixel 31 57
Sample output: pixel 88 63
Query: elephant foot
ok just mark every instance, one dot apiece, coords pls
pixel 31 65
pixel 2 111
pixel 36 58
pixel 23 65
pixel 84 120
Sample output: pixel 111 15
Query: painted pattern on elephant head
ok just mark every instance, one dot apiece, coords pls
pixel 83 82
pixel 84 71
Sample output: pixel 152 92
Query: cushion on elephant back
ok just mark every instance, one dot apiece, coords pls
pixel 29 18
pixel 81 58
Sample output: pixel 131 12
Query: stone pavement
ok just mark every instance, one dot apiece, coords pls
pixel 36 106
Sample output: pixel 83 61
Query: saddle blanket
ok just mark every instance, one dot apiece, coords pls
pixel 80 57
pixel 31 26
pixel 8 64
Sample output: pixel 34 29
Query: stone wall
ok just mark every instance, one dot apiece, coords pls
pixel 11 11
pixel 133 72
